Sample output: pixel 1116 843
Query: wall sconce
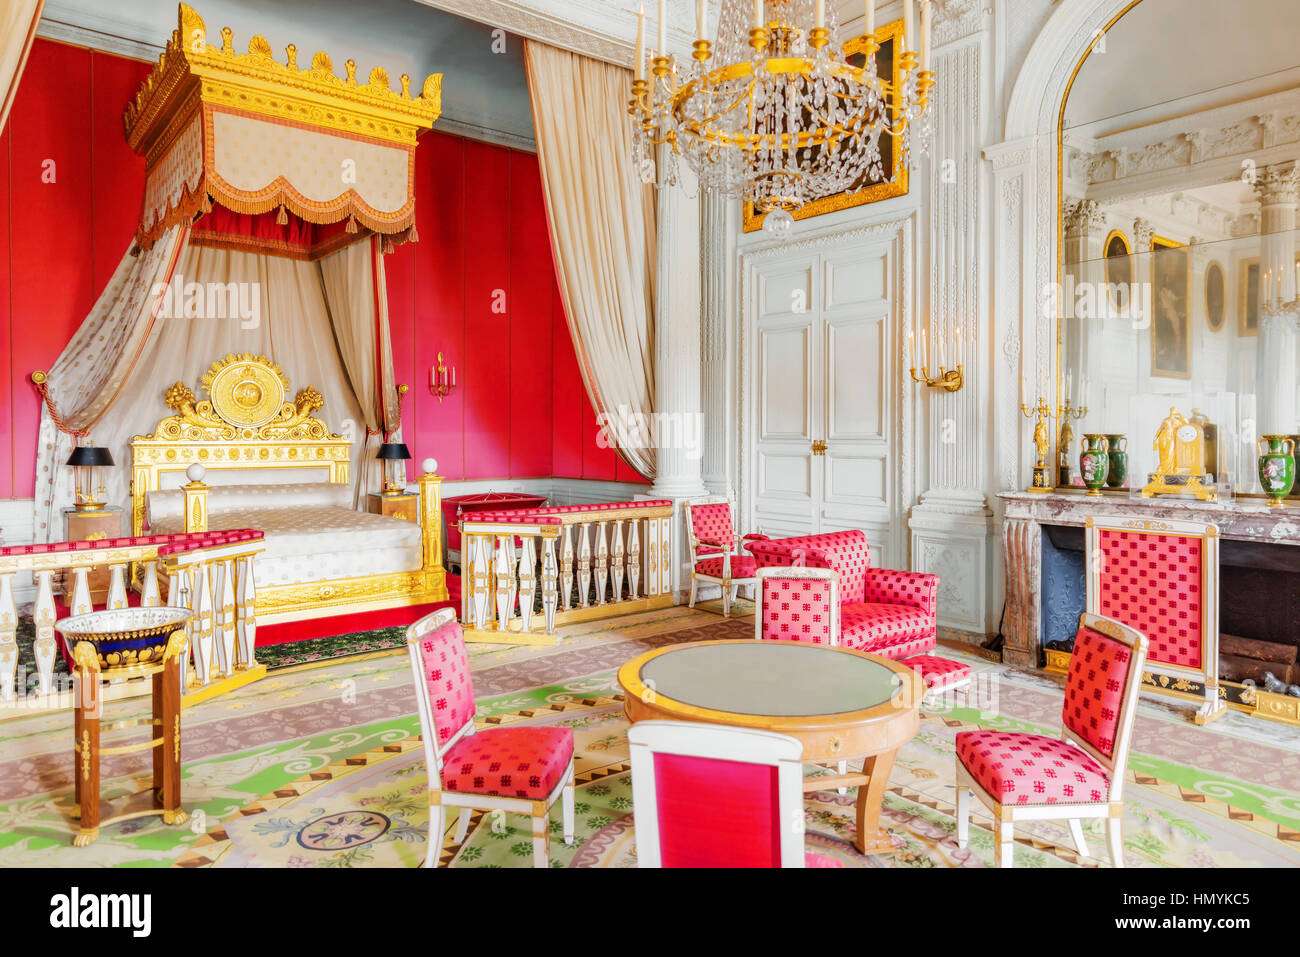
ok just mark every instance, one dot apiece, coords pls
pixel 950 380
pixel 439 383
pixel 86 461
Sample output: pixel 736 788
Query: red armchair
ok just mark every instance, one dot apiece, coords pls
pixel 882 611
pixel 711 535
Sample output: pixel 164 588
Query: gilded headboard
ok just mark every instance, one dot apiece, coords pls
pixel 246 424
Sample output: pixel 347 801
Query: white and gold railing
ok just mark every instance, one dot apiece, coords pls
pixel 220 562
pixel 555 566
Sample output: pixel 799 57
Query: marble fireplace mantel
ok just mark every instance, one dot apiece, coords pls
pixel 1025 513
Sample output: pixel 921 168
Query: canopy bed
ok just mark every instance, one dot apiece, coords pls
pixel 270 464
pixel 272 192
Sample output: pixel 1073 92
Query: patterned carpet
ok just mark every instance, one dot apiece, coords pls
pixel 322 767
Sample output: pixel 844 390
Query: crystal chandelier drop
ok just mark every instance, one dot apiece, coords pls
pixel 778 115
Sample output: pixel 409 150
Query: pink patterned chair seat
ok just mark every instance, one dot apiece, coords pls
pixel 819 860
pixel 742 566
pixel 1019 768
pixel 515 762
pixel 894 631
pixel 938 673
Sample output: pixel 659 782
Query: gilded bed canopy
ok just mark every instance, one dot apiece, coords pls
pixel 294 161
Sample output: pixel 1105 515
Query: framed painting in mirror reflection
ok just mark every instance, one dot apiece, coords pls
pixel 1248 298
pixel 1215 291
pixel 1119 266
pixel 1171 353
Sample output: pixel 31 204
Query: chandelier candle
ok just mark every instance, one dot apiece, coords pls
pixel 640 44
pixel 871 18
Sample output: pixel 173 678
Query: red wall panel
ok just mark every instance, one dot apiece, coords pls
pixel 51 211
pixel 117 173
pixel 6 382
pixel 519 409
pixel 440 296
pixel 531 274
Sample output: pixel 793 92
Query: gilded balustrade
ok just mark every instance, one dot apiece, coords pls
pixel 591 562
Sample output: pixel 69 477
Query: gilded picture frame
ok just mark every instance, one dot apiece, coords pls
pixel 1216 295
pixel 1248 298
pixel 887 36
pixel 1118 253
pixel 1171 332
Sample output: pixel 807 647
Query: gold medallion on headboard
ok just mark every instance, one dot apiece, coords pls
pixel 245 423
pixel 247 391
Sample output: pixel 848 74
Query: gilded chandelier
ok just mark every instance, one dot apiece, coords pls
pixel 778 115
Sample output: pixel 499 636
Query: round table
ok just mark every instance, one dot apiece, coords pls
pixel 840 704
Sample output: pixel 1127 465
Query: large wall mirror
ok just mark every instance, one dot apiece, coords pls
pixel 1180 152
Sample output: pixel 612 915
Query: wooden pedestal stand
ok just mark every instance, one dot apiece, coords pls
pixel 89 682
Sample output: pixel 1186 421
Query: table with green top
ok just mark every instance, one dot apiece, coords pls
pixel 842 705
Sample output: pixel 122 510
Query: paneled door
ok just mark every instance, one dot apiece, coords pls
pixel 822 432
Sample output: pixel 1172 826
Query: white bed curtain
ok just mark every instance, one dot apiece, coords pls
pixel 357 298
pixel 602 224
pixel 18 20
pixel 294 327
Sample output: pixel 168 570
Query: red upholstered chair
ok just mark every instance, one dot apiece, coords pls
pixel 753 781
pixel 1077 775
pixel 520 770
pixel 1163 581
pixel 714 556
pixel 882 611
pixel 798 604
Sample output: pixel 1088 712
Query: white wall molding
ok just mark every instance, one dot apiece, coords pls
pixel 18 527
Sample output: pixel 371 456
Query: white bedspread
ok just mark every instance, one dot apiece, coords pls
pixel 307 543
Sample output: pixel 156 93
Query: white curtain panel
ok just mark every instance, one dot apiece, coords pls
pixel 18 19
pixel 281 312
pixel 602 224
pixel 353 280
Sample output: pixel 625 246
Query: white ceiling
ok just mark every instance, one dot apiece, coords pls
pixel 481 88
pixel 1165 58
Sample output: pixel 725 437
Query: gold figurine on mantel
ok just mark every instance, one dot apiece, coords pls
pixel 1180 447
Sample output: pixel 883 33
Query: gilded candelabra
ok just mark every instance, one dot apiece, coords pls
pixel 950 380
pixel 1042 415
pixel 1065 440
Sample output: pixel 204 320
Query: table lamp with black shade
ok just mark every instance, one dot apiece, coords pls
pixel 394 455
pixel 86 460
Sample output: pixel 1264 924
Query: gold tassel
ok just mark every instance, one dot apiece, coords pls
pixel 387 246
pixel 352 225
pixel 415 237
pixel 281 218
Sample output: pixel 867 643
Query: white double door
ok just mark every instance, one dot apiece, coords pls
pixel 823 386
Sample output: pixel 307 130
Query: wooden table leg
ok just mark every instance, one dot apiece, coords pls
pixel 170 677
pixel 88 706
pixel 871 839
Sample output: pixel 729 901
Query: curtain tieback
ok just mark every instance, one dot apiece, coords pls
pixel 40 380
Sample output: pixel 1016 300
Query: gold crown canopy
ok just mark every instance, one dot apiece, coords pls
pixel 254 135
pixel 190 69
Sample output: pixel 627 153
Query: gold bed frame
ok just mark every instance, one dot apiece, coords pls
pixel 247 423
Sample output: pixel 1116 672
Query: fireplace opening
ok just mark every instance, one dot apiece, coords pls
pixel 1259 603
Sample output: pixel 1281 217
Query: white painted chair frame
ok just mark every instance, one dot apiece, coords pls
pixel 440 800
pixel 715 742
pixel 1208 674
pixel 1111 809
pixel 730 586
